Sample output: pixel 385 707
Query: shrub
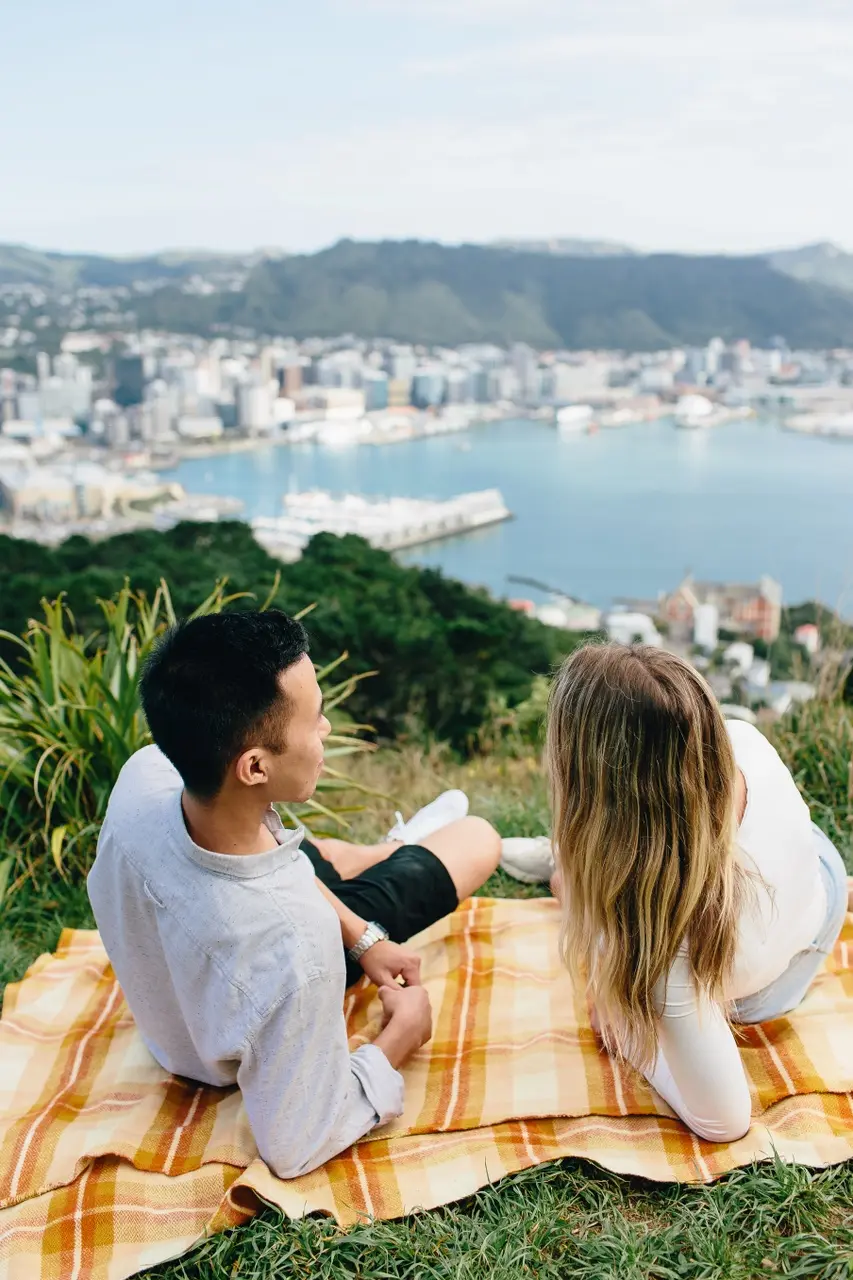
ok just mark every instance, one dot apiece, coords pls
pixel 70 718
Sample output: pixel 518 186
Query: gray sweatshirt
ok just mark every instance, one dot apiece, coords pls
pixel 233 968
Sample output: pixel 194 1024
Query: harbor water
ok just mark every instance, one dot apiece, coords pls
pixel 623 512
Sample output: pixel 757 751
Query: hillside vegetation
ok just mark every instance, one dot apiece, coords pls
pixel 548 294
pixel 449 660
pixel 20 264
pixel 433 293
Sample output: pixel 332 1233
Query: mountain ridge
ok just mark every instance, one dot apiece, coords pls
pixel 425 292
pixel 419 291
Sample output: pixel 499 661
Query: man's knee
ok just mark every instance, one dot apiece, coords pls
pixel 481 836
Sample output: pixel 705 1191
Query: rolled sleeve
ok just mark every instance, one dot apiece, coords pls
pixel 307 1097
pixel 381 1084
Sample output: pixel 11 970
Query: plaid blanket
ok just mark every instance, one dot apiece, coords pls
pixel 108 1164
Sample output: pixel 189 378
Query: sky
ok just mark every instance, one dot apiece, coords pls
pixel 691 126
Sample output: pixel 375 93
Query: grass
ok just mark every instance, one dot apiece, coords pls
pixel 566 1219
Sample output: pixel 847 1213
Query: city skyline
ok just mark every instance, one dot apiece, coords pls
pixel 718 130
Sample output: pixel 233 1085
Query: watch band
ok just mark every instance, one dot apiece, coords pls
pixel 373 933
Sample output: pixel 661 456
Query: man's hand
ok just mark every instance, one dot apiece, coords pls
pixel 387 961
pixel 406 1023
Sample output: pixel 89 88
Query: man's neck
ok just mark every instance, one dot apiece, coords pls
pixel 228 824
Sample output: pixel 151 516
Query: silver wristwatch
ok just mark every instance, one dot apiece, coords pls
pixel 373 933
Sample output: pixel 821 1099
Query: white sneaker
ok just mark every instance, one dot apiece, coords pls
pixel 449 807
pixel 528 859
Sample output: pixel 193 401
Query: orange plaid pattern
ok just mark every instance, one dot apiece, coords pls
pixel 108 1164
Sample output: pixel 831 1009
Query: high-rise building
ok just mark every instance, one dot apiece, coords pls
pixel 525 364
pixel 129 379
pixel 429 387
pixel 459 386
pixel 480 386
pixel 254 406
pixel 375 385
pixel 401 364
pixel 291 379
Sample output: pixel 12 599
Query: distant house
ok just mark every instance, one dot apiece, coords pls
pixel 749 609
pixel 808 636
pixel 630 628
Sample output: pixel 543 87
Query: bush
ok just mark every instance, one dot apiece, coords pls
pixel 70 718
pixel 445 654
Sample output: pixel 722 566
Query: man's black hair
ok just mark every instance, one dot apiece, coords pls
pixel 209 688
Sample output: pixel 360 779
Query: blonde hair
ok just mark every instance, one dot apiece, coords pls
pixel 642 778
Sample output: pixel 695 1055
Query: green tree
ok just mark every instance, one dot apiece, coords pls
pixel 443 652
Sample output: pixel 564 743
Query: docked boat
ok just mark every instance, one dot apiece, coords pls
pixel 574 419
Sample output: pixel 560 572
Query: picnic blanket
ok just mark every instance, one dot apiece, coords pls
pixel 109 1165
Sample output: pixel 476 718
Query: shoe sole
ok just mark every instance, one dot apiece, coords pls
pixel 523 877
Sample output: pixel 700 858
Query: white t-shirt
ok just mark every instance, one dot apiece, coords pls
pixel 698 1070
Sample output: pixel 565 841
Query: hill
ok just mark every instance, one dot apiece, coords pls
pixel 20 264
pixel 825 263
pixel 568 247
pixel 432 293
pixel 562 293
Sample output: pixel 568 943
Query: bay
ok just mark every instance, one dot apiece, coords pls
pixel 623 512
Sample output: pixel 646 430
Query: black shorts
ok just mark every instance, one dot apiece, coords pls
pixel 406 893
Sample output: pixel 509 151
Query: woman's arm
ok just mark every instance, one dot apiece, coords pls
pixel 698 1070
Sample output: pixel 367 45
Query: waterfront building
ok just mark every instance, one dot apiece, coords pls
pixel 459 386
pixel 628 627
pixel 200 428
pixel 480 385
pixel 375 387
pixel 706 624
pixel 401 363
pixel 753 609
pixel 580 381
pixel 254 406
pixel 283 411
pixel 399 391
pixel 429 386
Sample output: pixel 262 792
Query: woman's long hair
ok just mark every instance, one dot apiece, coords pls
pixel 642 778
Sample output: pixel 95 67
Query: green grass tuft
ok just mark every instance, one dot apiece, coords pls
pixel 566 1219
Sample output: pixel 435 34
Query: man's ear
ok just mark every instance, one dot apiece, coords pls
pixel 251 767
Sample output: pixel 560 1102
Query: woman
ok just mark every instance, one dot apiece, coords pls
pixel 696 890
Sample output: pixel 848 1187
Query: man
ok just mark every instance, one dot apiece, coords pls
pixel 233 938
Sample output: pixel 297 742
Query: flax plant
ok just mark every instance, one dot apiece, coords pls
pixel 70 718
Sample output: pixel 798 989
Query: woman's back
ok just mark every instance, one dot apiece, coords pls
pixel 783 914
pixel 678 915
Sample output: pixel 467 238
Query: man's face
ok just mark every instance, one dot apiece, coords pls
pixel 293 775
